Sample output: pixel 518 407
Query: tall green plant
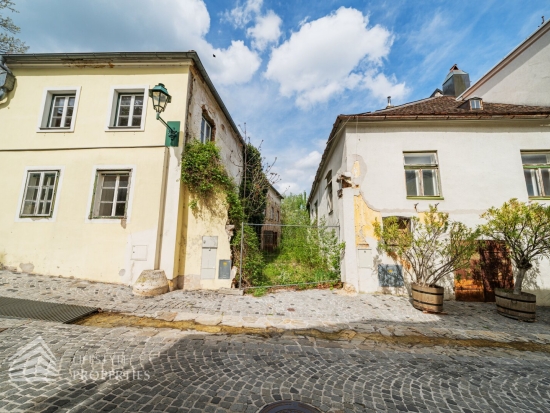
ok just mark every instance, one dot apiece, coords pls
pixel 525 229
pixel 432 249
pixel 254 185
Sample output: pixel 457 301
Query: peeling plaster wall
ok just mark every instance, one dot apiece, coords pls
pixel 479 163
pixel 210 220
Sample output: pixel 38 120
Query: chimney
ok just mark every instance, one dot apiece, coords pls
pixel 456 82
pixel 389 103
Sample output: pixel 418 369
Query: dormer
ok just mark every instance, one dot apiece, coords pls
pixel 472 104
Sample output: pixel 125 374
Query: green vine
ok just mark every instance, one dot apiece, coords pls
pixel 204 174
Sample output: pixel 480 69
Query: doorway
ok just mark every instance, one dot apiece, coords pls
pixel 490 268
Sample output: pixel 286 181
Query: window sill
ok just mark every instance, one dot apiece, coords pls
pixel 539 198
pixel 426 198
pixel 112 218
pixel 64 130
pixel 128 128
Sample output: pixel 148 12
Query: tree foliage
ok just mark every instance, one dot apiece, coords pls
pixel 9 43
pixel 525 229
pixel 431 249
pixel 254 185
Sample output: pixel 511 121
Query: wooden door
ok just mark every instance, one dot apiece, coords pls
pixel 490 268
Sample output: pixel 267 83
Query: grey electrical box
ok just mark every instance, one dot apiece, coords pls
pixel 390 276
pixel 208 259
pixel 224 272
pixel 364 258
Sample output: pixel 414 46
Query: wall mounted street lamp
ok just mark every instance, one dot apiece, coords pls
pixel 7 79
pixel 161 98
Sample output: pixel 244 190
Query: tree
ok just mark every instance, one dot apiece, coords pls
pixel 254 185
pixel 524 229
pixel 429 249
pixel 8 43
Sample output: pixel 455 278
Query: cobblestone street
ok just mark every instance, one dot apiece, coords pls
pixel 172 371
pixel 134 369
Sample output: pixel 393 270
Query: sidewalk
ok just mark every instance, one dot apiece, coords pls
pixel 323 310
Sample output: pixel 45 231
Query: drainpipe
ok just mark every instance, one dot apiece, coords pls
pixel 162 207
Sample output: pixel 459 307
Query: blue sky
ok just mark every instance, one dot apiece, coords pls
pixel 288 68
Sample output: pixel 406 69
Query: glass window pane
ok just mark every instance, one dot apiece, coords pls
pixel 122 121
pixel 137 110
pixel 49 179
pixel 55 123
pixel 34 179
pixel 121 196
pixel 545 173
pixel 420 159
pixel 123 181
pixel 429 179
pixel 28 207
pixel 125 100
pixel 71 102
pixel 109 181
pixel 412 182
pixel 107 194
pixel 32 193
pixel 68 122
pixel 138 100
pixel 531 181
pixel 120 208
pixel 124 111
pixel 59 101
pixel 534 158
pixel 69 112
pixel 105 209
pixel 136 120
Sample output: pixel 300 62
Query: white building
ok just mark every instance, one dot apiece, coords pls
pixel 464 153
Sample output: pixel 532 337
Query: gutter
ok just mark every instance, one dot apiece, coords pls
pixel 382 117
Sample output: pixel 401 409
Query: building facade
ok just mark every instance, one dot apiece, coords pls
pixel 90 189
pixel 462 153
pixel 271 230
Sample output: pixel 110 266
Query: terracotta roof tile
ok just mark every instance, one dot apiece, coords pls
pixel 447 105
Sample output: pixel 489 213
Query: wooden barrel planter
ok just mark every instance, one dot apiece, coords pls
pixel 521 306
pixel 427 298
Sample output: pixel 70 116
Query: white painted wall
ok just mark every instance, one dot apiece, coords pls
pixel 525 80
pixel 479 163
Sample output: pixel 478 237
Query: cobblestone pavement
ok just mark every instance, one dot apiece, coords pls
pixel 164 370
pixel 325 310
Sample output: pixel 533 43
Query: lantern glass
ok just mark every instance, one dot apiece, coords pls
pixel 160 97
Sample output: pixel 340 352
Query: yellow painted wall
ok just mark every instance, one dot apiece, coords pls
pixel 71 245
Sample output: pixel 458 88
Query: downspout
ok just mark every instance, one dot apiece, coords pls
pixel 162 208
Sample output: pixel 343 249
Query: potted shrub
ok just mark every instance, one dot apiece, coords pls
pixel 525 230
pixel 428 250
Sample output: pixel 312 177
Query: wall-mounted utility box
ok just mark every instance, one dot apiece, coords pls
pixel 224 272
pixel 364 258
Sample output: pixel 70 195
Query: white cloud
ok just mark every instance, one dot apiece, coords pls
pixel 329 55
pixel 267 30
pixel 242 14
pixel 233 65
pixel 310 161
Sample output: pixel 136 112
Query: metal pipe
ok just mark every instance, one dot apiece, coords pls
pixel 241 262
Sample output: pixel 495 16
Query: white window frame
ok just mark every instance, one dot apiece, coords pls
pixel 205 121
pixel 421 167
pixel 46 108
pixel 112 104
pixel 97 169
pixel 55 201
pixel 538 174
pixel 63 115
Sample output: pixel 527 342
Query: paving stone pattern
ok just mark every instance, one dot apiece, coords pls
pixel 192 372
pixel 325 310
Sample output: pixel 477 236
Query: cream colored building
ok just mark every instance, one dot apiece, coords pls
pixel 474 147
pixel 89 189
